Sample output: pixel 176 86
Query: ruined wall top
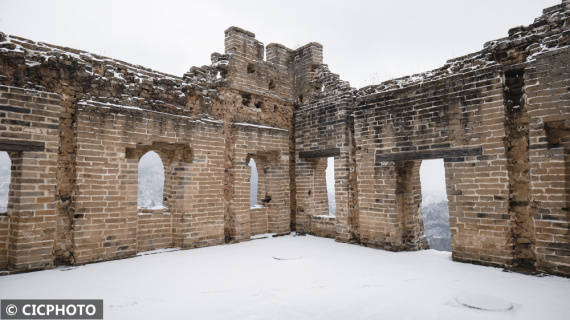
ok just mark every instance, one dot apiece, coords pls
pixel 242 68
pixel 270 70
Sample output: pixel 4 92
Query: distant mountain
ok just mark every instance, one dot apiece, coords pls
pixel 436 225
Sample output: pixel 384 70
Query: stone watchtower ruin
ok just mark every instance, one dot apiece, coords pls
pixel 76 124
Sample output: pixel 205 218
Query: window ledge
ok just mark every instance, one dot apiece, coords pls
pixel 325 217
pixel 149 211
pixel 257 207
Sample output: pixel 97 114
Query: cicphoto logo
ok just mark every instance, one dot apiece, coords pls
pixel 51 309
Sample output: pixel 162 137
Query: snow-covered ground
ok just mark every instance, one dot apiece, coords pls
pixel 295 277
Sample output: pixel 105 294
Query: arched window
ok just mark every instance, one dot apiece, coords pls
pixel 253 181
pixel 5 176
pixel 151 181
pixel 329 178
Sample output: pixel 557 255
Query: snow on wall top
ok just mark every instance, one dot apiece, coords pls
pixel 104 79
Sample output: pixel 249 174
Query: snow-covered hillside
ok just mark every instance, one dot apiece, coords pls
pixel 294 277
pixel 436 225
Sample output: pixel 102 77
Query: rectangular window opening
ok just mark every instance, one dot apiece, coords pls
pixel 435 211
pixel 329 173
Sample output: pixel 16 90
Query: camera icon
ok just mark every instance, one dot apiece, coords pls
pixel 11 310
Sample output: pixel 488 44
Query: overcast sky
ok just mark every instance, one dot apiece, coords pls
pixel 364 41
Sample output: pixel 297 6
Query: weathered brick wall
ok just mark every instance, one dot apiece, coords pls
pixel 321 131
pixel 269 147
pixel 29 131
pixel 154 230
pixel 259 220
pixel 547 83
pixel 458 119
pixel 113 112
pixel 248 70
pixel 110 141
pixel 324 128
pixel 467 112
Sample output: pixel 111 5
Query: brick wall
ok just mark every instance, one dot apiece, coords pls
pixel 29 130
pixel 259 220
pixel 154 229
pixel 321 131
pixel 459 119
pixel 547 81
pixel 269 147
pixel 110 141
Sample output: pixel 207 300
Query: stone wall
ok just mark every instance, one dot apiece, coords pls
pixel 204 126
pixel 110 141
pixel 457 119
pixel 76 124
pixel 154 229
pixel 547 96
pixel 269 147
pixel 29 131
pixel 498 118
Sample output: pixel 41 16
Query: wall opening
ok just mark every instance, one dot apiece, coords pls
pixel 329 177
pixel 150 182
pixel 5 177
pixel 245 99
pixel 250 68
pixel 435 211
pixel 321 188
pixel 253 184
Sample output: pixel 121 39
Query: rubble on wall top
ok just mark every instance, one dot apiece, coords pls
pixel 273 44
pixel 239 30
pixel 45 51
pixel 106 79
pixel 310 44
pixel 325 83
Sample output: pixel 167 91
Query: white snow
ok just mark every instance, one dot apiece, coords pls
pixel 483 302
pixel 297 278
pixel 262 236
pixel 211 120
pixel 325 216
pixel 258 126
pixel 32 64
pixel 152 207
pixel 145 253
